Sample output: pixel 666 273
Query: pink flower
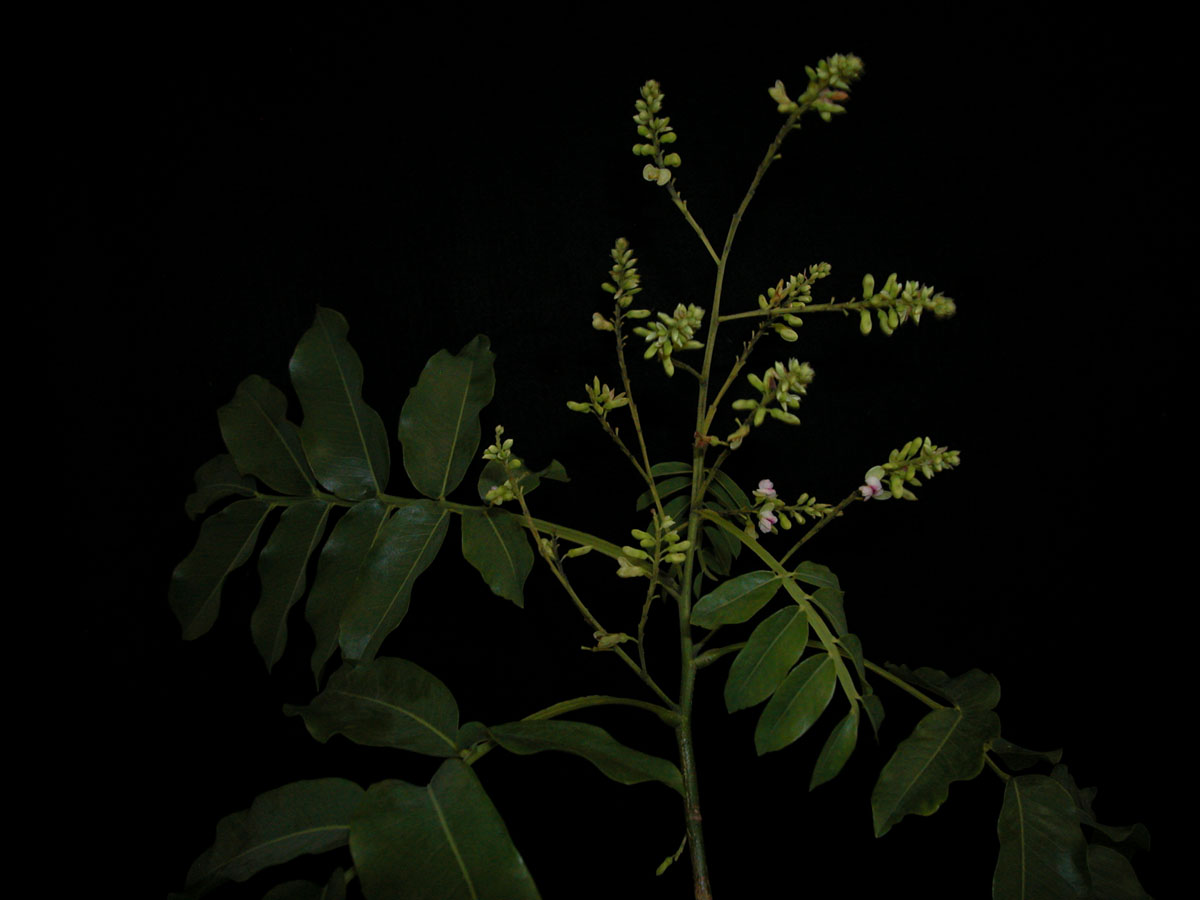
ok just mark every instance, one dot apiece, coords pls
pixel 874 486
pixel 766 519
pixel 766 489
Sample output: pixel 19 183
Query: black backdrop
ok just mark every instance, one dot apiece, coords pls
pixel 207 187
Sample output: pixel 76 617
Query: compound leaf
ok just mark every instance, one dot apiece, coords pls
pixel 280 825
pixel 439 422
pixel 445 840
pixel 281 566
pixel 344 438
pixel 407 544
pixel 496 545
pixel 620 763
pixel 1043 854
pixel 226 541
pixel 262 441
pixel 387 702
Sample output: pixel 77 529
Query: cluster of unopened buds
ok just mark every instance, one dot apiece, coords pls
pixel 919 455
pixel 663 546
pixel 671 333
pixel 895 304
pixel 657 131
pixel 501 452
pixel 785 299
pixel 771 512
pixel 781 388
pixel 601 399
pixel 828 83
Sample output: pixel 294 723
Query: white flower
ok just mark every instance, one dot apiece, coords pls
pixel 874 486
pixel 766 490
pixel 766 519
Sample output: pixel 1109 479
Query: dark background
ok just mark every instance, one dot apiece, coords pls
pixel 207 185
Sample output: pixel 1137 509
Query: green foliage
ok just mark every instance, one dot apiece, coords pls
pixel 316 496
pixel 620 763
pixel 280 825
pixel 443 840
pixel 439 424
pixel 385 703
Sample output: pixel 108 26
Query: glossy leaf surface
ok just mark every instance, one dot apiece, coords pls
pixel 344 438
pixel 1043 855
pixel 281 566
pixel 226 541
pixel 496 545
pixel 407 544
pixel 946 746
pixel 215 480
pixel 838 747
pixel 388 702
pixel 337 571
pixel 620 763
pixel 262 441
pixel 439 423
pixel 736 600
pixel 1112 875
pixel 280 825
pixel 796 704
pixel 445 840
pixel 775 645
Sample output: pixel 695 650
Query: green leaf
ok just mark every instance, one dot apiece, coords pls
pixel 797 704
pixel 1113 877
pixel 829 601
pixel 263 442
pixel 337 570
pixel 388 702
pixel 406 547
pixel 620 763
pixel 439 423
pixel 774 647
pixel 817 575
pixel 973 689
pixel 838 747
pixel 344 439
pixel 658 470
pixel 1018 758
pixel 853 647
pixel 446 841
pixel 676 508
pixel 665 489
pixel 280 825
pixel 333 889
pixel 472 733
pixel 727 492
pixel 281 566
pixel 215 480
pixel 1042 851
pixel 226 541
pixel 496 545
pixel 946 746
pixel 874 707
pixel 735 600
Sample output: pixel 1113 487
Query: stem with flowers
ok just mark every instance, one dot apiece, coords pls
pixel 320 489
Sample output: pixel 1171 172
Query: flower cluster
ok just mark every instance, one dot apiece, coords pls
pixel 785 299
pixel 771 512
pixel 894 305
pixel 501 452
pixel 663 546
pixel 781 388
pixel 828 83
pixel 658 131
pixel 601 399
pixel 900 471
pixel 671 333
pixel 624 280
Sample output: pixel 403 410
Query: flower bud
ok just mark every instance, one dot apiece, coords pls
pixel 864 321
pixel 868 286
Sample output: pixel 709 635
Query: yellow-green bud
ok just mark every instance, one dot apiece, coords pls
pixel 868 286
pixel 864 321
